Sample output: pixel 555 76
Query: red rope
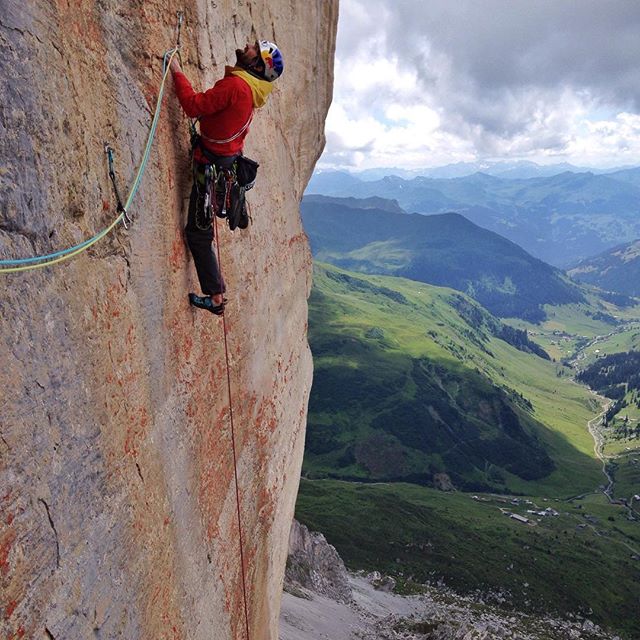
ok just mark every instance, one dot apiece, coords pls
pixel 233 442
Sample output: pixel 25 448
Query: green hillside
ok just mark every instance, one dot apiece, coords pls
pixel 413 380
pixel 445 250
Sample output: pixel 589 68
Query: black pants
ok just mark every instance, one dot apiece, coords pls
pixel 199 240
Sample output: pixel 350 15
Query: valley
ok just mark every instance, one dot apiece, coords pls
pixel 569 558
pixel 443 513
pixel 451 439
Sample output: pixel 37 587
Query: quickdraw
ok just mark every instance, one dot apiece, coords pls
pixel 205 184
pixel 126 220
pixel 180 15
pixel 229 179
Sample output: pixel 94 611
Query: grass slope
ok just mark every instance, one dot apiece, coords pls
pixel 572 334
pixel 383 343
pixel 406 386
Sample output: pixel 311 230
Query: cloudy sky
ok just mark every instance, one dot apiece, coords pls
pixel 422 83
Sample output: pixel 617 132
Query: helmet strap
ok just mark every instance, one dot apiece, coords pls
pixel 256 70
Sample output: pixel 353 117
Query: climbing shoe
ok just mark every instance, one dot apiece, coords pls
pixel 205 302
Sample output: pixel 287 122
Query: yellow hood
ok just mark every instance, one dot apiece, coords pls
pixel 259 88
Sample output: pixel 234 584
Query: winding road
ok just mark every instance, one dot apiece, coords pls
pixel 598 448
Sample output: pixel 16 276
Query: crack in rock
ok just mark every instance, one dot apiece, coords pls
pixel 53 528
pixel 22 32
pixel 12 228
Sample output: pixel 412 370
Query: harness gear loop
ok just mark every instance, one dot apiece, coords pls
pixel 205 178
pixel 209 204
pixel 228 180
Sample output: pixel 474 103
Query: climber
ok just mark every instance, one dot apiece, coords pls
pixel 225 112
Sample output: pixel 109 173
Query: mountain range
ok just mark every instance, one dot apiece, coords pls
pixel 421 395
pixel 445 250
pixel 500 169
pixel 560 219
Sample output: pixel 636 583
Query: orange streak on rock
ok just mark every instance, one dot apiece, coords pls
pixel 9 609
pixel 6 544
pixel 177 255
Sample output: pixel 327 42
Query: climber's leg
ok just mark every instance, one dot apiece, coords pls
pixel 199 241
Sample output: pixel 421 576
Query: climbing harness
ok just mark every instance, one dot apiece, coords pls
pixel 36 262
pixel 221 193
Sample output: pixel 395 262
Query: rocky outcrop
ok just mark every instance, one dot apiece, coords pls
pixel 442 482
pixel 323 600
pixel 435 614
pixel 117 498
pixel 315 565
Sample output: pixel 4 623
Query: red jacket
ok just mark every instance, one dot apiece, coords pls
pixel 223 111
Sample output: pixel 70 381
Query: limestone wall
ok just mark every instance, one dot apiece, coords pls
pixel 117 500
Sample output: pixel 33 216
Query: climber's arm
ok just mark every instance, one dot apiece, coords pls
pixel 199 104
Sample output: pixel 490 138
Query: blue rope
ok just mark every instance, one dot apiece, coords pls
pixel 64 252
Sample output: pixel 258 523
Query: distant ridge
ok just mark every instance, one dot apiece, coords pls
pixel 617 269
pixel 502 169
pixel 445 250
pixel 382 204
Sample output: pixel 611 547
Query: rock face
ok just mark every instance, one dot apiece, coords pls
pixel 314 564
pixel 117 498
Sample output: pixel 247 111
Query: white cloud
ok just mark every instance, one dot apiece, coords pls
pixel 420 118
pixel 615 140
pixel 426 84
pixel 353 131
